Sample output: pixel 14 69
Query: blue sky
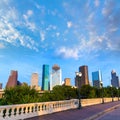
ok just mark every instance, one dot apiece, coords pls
pixel 69 33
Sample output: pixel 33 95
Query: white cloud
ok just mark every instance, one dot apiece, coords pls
pixel 2 46
pixel 113 29
pixel 51 27
pixel 108 8
pixel 29 13
pixel 69 24
pixel 30 25
pixel 57 34
pixel 97 3
pixel 90 17
pixel 42 35
pixel 9 33
pixel 68 52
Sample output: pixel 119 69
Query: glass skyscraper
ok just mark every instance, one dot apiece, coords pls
pixel 56 76
pixel 97 78
pixel 115 79
pixel 45 77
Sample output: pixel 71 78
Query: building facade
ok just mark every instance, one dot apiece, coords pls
pixel 84 79
pixel 97 79
pixel 114 79
pixel 12 80
pixel 45 77
pixel 56 76
pixel 34 80
pixel 0 85
pixel 67 81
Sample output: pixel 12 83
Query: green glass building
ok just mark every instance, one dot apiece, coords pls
pixel 45 77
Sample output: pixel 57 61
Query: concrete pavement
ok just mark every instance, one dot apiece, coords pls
pixel 86 113
pixel 112 115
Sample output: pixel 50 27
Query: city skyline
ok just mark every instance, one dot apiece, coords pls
pixel 68 33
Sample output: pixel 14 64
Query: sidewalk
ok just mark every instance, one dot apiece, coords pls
pixel 88 113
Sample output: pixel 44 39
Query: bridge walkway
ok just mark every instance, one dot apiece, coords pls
pixel 85 113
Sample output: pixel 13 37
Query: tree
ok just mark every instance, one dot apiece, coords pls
pixel 87 91
pixel 19 95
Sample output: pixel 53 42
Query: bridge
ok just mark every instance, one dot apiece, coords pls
pixel 60 110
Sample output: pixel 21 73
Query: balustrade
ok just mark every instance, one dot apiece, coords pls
pixel 22 111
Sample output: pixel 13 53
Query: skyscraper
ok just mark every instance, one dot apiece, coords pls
pixel 67 81
pixel 97 79
pixel 12 80
pixel 83 80
pixel 34 80
pixel 56 76
pixel 115 79
pixel 0 85
pixel 45 77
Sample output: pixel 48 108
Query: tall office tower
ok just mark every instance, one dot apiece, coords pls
pixel 115 79
pixel 45 77
pixel 56 76
pixel 82 80
pixel 0 85
pixel 67 81
pixel 97 79
pixel 12 80
pixel 34 80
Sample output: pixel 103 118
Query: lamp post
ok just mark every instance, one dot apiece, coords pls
pixel 101 85
pixel 111 93
pixel 79 75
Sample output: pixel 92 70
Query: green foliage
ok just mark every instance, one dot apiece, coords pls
pixel 26 94
pixel 19 95
pixel 59 93
pixel 87 91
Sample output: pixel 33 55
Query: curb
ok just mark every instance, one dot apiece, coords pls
pixel 102 113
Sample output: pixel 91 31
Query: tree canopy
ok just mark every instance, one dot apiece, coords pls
pixel 25 94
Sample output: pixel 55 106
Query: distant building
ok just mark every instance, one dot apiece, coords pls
pixel 97 79
pixel 12 80
pixel 67 81
pixel 115 79
pixel 0 85
pixel 34 80
pixel 56 76
pixel 45 77
pixel 84 79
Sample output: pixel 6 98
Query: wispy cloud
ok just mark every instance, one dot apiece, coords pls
pixel 42 35
pixel 2 46
pixel 10 34
pixel 68 52
pixel 28 24
pixel 97 3
pixel 69 24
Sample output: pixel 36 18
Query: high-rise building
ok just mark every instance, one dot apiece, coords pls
pixel 56 76
pixel 82 80
pixel 115 79
pixel 12 80
pixel 34 80
pixel 0 85
pixel 67 81
pixel 97 79
pixel 45 77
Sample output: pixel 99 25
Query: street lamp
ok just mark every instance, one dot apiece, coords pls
pixel 79 75
pixel 118 92
pixel 111 92
pixel 101 85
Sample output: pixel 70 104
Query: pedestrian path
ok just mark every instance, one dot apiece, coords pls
pixel 85 113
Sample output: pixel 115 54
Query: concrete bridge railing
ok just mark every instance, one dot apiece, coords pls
pixel 22 111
